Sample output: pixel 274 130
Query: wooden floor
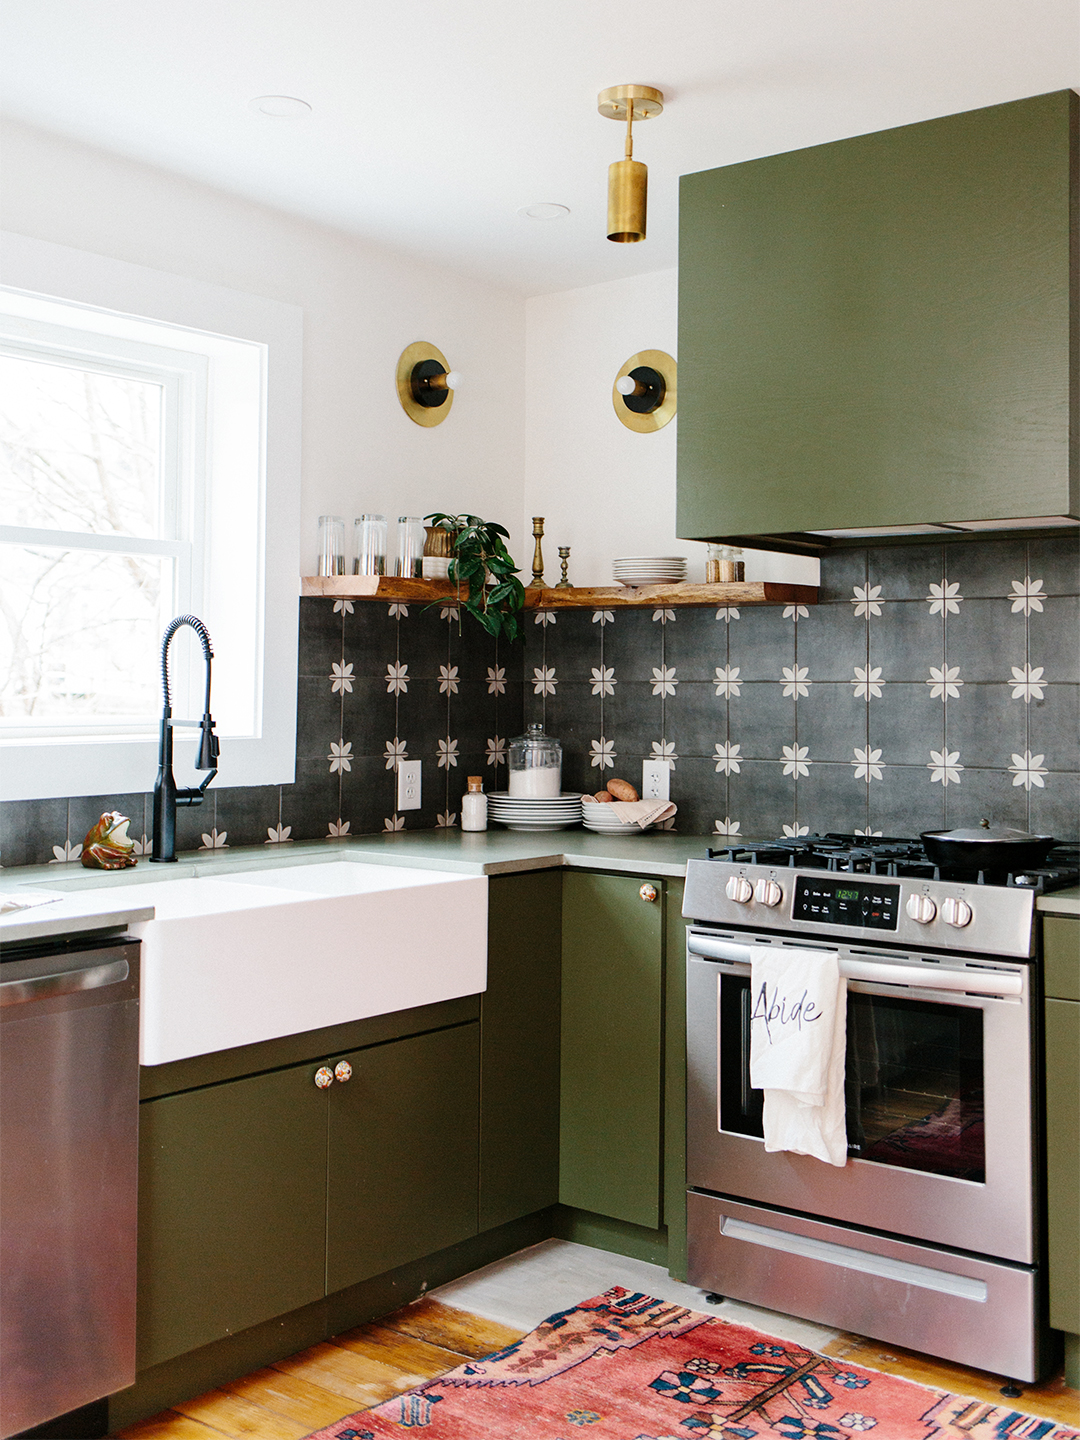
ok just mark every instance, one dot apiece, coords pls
pixel 353 1371
pixel 370 1364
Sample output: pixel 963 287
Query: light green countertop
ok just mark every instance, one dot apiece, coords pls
pixel 98 899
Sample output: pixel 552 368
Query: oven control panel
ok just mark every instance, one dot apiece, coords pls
pixel 846 900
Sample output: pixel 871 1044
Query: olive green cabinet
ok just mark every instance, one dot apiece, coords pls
pixel 1061 949
pixel 261 1194
pixel 519 1048
pixel 621 1152
pixel 877 331
pixel 232 1206
pixel 402 1154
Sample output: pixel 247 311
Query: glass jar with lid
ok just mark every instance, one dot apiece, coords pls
pixel 535 764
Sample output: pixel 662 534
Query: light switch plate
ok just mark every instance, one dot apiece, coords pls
pixel 408 785
pixel 655 780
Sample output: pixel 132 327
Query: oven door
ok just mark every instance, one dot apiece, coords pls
pixel 939 1097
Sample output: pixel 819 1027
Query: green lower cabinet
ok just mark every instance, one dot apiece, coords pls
pixel 232 1205
pixel 519 1048
pixel 1063 1161
pixel 262 1194
pixel 612 1016
pixel 402 1154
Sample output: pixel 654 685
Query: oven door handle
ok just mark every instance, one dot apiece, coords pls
pixel 999 983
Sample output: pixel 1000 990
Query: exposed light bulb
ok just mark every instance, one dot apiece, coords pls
pixel 626 385
pixel 453 379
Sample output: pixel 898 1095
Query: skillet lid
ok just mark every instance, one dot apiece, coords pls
pixel 987 834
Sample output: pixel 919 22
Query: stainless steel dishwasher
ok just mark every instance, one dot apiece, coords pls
pixel 69 1090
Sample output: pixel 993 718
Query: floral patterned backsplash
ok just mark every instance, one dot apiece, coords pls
pixel 933 685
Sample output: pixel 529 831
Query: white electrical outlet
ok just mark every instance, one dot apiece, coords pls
pixel 408 785
pixel 655 780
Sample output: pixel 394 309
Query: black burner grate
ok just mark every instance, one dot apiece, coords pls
pixel 895 856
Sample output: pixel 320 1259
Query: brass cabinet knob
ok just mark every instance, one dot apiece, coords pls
pixel 648 892
pixel 324 1077
pixel 342 1071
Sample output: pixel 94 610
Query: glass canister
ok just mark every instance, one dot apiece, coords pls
pixel 331 545
pixel 410 553
pixel 732 569
pixel 535 764
pixel 369 532
pixel 474 805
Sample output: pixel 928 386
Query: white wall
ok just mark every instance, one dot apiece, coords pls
pixel 605 490
pixel 361 305
pixel 508 451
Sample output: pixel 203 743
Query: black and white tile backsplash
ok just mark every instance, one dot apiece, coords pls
pixel 932 685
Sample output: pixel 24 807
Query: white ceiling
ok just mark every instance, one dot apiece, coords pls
pixel 434 121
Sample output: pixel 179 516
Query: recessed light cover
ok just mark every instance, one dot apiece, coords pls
pixel 280 107
pixel 544 210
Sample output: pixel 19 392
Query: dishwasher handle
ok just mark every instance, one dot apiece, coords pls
pixel 45 987
pixel 998 983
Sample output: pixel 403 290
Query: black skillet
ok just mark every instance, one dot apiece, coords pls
pixel 990 847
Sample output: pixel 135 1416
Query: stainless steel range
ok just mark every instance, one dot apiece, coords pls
pixel 931 1235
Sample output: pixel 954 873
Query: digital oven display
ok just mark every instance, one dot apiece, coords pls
pixel 866 903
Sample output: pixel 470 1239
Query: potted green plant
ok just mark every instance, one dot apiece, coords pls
pixel 484 572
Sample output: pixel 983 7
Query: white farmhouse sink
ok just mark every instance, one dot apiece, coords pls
pixel 228 961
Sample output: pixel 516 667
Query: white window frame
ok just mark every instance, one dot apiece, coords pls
pixel 243 534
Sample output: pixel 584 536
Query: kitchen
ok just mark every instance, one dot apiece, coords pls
pixel 348 291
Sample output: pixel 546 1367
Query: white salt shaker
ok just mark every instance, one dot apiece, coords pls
pixel 474 805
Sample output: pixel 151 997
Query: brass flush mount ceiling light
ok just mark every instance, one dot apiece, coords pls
pixel 425 383
pixel 628 178
pixel 644 392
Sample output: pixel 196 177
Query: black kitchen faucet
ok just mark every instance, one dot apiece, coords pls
pixel 166 796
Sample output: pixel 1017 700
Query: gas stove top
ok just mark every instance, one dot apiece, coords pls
pixel 879 889
pixel 892 856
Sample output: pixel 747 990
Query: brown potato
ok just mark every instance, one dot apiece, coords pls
pixel 622 790
pixel 603 797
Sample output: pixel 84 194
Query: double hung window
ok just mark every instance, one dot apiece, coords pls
pixel 143 475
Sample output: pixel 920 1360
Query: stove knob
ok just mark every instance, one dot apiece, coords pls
pixel 768 892
pixel 921 909
pixel 739 890
pixel 956 913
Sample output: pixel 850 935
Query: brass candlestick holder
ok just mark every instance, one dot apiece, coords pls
pixel 564 557
pixel 537 582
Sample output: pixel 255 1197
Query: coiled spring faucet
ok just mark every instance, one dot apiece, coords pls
pixel 166 796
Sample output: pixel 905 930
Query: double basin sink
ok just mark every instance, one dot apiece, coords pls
pixel 232 959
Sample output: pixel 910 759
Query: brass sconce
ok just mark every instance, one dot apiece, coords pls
pixel 644 393
pixel 628 178
pixel 425 383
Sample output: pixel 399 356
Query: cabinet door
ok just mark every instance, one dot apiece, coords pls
pixel 1063 1161
pixel 402 1152
pixel 612 1012
pixel 519 1048
pixel 232 1207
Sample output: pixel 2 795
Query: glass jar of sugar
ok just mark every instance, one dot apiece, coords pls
pixel 535 765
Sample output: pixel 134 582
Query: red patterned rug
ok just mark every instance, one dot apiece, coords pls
pixel 624 1366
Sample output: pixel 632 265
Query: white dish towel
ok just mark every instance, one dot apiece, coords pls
pixel 798 1040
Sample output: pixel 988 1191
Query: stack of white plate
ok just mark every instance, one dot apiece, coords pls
pixel 604 819
pixel 552 812
pixel 649 569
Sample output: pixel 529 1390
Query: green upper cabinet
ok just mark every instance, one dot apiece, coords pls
pixel 877 332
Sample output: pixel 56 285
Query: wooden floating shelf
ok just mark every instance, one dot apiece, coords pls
pixel 607 597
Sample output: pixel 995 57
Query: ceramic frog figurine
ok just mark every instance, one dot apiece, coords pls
pixel 107 845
